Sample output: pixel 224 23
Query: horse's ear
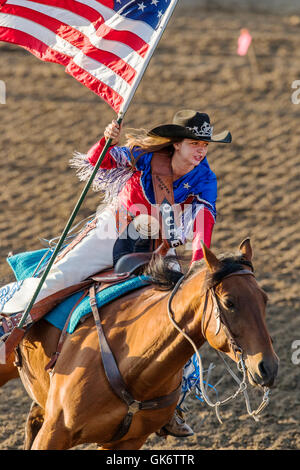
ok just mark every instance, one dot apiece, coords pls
pixel 211 260
pixel 246 249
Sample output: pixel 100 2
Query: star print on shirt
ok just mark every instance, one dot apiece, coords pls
pixel 186 186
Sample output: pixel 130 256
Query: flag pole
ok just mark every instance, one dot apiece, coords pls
pixel 120 118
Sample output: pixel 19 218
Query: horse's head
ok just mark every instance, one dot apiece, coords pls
pixel 234 314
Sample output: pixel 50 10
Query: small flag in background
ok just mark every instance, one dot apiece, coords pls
pixel 244 42
pixel 102 43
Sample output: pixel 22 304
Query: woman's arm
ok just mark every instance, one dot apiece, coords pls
pixel 205 218
pixel 116 156
pixel 203 228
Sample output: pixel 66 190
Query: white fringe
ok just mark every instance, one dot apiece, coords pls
pixel 108 182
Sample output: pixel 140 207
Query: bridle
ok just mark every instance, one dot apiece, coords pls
pixel 222 322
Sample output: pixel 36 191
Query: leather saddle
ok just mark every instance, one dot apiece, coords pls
pixel 125 267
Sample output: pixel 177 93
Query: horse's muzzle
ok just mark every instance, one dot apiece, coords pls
pixel 265 373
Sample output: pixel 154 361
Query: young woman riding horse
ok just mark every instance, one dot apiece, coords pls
pixel 129 222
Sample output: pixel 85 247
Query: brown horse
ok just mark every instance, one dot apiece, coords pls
pixel 76 404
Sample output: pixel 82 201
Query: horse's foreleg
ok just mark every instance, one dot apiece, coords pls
pixel 53 435
pixel 34 423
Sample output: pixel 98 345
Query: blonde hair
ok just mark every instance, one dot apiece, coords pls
pixel 140 139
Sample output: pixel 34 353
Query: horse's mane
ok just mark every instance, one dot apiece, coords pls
pixel 162 273
pixel 164 276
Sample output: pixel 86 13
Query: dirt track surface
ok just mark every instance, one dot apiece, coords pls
pixel 48 115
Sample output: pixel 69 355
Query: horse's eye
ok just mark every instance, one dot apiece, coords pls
pixel 229 304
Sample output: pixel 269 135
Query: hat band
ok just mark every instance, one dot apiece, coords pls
pixel 206 130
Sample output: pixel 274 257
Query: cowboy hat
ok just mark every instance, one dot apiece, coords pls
pixel 190 124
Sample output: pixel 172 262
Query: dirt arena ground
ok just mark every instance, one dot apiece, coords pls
pixel 48 115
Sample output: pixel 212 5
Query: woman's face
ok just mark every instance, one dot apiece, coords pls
pixel 191 152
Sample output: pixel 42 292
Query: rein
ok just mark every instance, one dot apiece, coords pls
pixel 221 321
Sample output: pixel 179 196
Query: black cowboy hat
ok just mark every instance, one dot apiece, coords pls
pixel 189 124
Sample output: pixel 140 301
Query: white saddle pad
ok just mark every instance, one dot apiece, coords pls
pixel 15 297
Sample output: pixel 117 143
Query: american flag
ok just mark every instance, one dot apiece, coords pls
pixel 104 44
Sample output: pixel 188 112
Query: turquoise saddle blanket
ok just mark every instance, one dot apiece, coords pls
pixel 24 265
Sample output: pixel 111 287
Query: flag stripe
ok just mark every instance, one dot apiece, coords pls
pixel 113 98
pixel 79 40
pixel 103 74
pixel 38 31
pixel 33 45
pixel 125 37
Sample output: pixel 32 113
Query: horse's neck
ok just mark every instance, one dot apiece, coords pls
pixel 165 351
